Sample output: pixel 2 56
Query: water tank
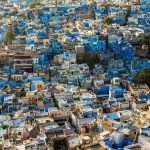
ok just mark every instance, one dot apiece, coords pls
pixel 111 92
pixel 80 48
pixel 119 139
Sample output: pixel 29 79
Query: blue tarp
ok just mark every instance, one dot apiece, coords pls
pixel 3 131
pixel 112 115
pixel 18 121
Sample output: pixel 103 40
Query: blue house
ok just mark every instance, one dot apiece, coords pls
pixel 8 99
pixel 73 81
pixel 2 83
pixel 102 11
pixel 33 81
pixel 57 47
pixel 116 91
pixel 145 97
pixel 41 33
pixel 119 20
pixel 103 90
pixel 13 83
pixel 44 58
pixel 143 64
pixel 146 2
pixel 6 69
pixel 90 114
pixel 43 17
pixel 91 104
pixel 1 34
pixel 123 50
pixel 93 43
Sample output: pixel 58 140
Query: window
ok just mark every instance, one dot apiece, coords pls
pixel 19 133
pixel 39 86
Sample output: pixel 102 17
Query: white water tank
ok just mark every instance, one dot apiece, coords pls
pixel 111 92
pixel 119 139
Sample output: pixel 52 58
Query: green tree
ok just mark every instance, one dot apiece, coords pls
pixel 123 24
pixel 2 126
pixel 52 55
pixel 143 76
pixel 56 3
pixel 9 36
pixel 34 4
pixel 88 58
pixel 147 41
pixel 108 21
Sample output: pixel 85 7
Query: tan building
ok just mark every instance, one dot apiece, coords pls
pixel 140 105
pixel 6 59
pixel 137 90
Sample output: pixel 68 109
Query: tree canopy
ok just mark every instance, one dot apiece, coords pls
pixel 143 76
pixel 147 41
pixel 89 59
pixel 34 4
pixel 9 36
pixel 108 21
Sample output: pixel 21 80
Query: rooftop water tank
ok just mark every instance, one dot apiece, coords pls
pixel 119 139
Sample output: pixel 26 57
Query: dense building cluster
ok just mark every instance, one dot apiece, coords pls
pixel 67 75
